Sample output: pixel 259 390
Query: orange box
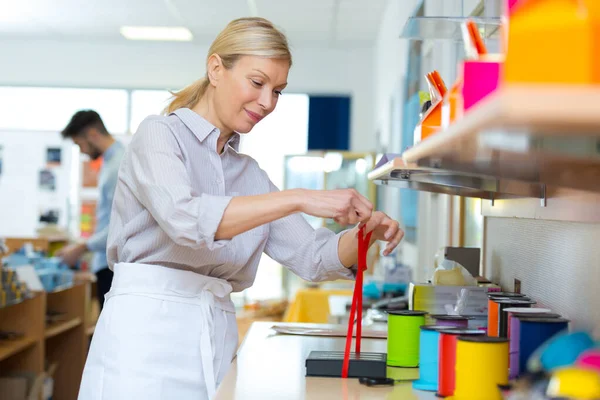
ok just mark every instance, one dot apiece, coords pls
pixel 452 104
pixel 554 41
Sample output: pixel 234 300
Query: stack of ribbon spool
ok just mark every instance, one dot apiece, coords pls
pixel 465 363
pixel 462 363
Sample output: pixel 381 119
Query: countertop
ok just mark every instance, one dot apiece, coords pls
pixel 272 366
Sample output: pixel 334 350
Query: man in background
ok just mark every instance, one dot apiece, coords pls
pixel 87 130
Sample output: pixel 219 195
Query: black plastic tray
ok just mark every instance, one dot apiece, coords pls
pixel 329 364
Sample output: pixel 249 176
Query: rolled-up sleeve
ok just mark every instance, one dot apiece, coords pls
pixel 310 253
pixel 157 175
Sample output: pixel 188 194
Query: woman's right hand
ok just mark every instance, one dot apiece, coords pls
pixel 344 206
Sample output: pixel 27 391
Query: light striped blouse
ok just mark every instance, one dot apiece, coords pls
pixel 172 191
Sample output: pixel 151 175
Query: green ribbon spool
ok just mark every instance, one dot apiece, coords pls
pixel 404 330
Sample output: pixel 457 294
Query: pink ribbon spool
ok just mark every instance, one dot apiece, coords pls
pixel 589 359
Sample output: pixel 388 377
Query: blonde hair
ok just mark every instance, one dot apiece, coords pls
pixel 251 36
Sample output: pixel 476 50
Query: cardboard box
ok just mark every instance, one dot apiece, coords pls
pixel 27 385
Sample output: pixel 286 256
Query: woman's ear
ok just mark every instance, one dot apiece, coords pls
pixel 214 67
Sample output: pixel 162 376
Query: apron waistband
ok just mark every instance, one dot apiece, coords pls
pixel 158 281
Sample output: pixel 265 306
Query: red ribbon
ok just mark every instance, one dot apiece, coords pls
pixel 356 309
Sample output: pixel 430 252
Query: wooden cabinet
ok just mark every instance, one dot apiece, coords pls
pixel 43 244
pixel 63 342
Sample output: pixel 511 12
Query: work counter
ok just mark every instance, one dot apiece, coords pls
pixel 269 365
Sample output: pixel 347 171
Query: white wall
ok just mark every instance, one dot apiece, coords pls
pixel 21 198
pixel 173 65
pixel 435 211
pixel 390 69
pixel 390 63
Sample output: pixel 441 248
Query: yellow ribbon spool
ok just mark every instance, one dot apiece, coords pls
pixel 481 365
pixel 577 383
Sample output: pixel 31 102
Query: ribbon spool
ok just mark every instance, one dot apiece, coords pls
pixel 481 365
pixel 589 359
pixel 452 321
pixel 521 310
pixel 493 309
pixel 404 337
pixel 533 332
pixel 447 361
pixel 503 304
pixel 562 350
pixel 429 357
pixel 356 309
pixel 514 334
pixel 506 294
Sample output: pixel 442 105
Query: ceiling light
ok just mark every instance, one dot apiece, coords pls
pixel 156 33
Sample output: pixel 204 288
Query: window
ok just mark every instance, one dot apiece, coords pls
pixel 282 133
pixel 145 103
pixel 50 109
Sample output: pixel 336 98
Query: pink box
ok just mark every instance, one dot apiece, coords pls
pixel 480 79
pixel 511 5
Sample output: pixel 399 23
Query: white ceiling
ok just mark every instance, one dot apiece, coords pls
pixel 322 23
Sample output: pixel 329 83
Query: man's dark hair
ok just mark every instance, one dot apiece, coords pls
pixel 81 121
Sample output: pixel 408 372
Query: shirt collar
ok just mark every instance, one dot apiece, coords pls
pixel 107 155
pixel 201 128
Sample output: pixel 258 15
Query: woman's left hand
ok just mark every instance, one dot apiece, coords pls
pixel 384 228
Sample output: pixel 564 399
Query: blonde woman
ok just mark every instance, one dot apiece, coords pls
pixel 190 220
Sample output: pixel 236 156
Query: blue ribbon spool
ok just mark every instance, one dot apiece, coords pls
pixel 534 332
pixel 429 357
pixel 563 350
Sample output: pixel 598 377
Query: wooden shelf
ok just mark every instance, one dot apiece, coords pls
pixel 514 142
pixel 60 327
pixel 9 348
pixel 62 288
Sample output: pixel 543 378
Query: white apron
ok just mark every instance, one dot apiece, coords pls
pixel 163 334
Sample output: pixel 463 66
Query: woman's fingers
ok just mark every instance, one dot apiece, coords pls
pixel 375 220
pixel 393 227
pixel 362 210
pixel 392 244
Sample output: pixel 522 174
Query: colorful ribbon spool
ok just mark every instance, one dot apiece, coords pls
pixel 503 304
pixel 521 310
pixel 404 337
pixel 493 309
pixel 429 357
pixel 447 361
pixel 514 334
pixel 506 294
pixel 562 350
pixel 589 359
pixel 481 365
pixel 574 383
pixel 451 321
pixel 533 332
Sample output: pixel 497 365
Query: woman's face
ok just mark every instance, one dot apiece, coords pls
pixel 249 91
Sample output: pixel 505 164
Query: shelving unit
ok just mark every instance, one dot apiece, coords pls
pixel 26 353
pixel 512 144
pixel 58 328
pixel 63 343
pixel 9 348
pixel 446 28
pixel 46 244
